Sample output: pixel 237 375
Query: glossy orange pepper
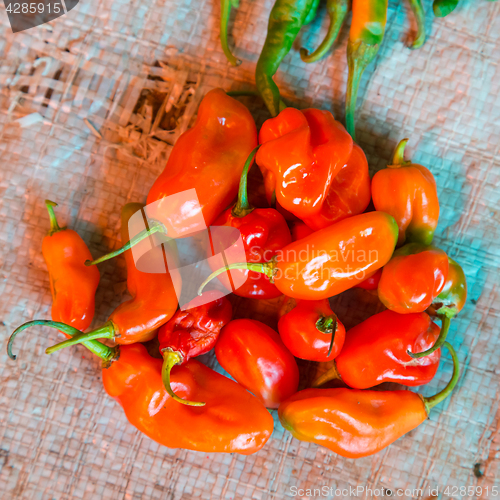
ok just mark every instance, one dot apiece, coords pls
pixel 413 278
pixel 357 423
pixel 153 302
pixel 407 191
pixel 208 158
pixel 301 153
pixel 331 260
pixel 312 331
pixel 255 356
pixel 349 192
pixel 376 351
pixel 72 284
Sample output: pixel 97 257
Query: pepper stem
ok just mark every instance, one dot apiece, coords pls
pixel 331 374
pixel 154 227
pixel 445 326
pixel 106 331
pixel 103 351
pixel 267 268
pixel 440 396
pixel 359 56
pixel 324 325
pixel 337 11
pixel 243 206
pixel 419 13
pixel 170 359
pixel 225 7
pixel 54 226
pixel 398 157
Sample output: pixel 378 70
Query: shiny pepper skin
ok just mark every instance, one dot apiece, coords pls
pixel 301 153
pixel 232 421
pixel 72 284
pixel 407 191
pixel 349 192
pixel 255 356
pixel 209 158
pixel 376 351
pixel 413 278
pixel 307 330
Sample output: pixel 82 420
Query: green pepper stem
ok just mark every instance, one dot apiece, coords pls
pixel 442 8
pixel 243 206
pixel 331 374
pixel 440 396
pixel 398 157
pixel 328 324
pixel 54 226
pixel 106 331
pixel 267 268
pixel 439 342
pixel 359 56
pixel 103 351
pixel 337 11
pixel 225 7
pixel 155 227
pixel 419 13
pixel 170 359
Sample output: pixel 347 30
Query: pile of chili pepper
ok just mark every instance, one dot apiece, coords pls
pixel 314 240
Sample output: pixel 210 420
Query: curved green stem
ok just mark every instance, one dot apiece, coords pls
pixel 328 324
pixel 155 227
pixel 359 56
pixel 398 157
pixel 106 331
pixel 267 268
pixel 54 226
pixel 442 8
pixel 337 11
pixel 331 374
pixel 225 7
pixel 243 206
pixel 439 342
pixel 440 396
pixel 104 352
pixel 419 13
pixel 170 359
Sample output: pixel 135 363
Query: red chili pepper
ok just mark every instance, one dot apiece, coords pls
pixel 356 423
pixel 264 232
pixel 413 278
pixel 376 351
pixel 192 332
pixel 372 282
pixel 407 191
pixel 301 153
pixel 300 230
pixel 312 331
pixel 255 356
pixel 349 192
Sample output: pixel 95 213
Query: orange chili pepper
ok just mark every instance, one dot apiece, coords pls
pixel 349 193
pixel 376 351
pixel 413 278
pixel 357 423
pixel 331 260
pixel 153 302
pixel 407 191
pixel 255 356
pixel 208 158
pixel 312 331
pixel 301 152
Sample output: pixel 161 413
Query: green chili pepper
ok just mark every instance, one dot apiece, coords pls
pixel 367 32
pixel 285 21
pixel 419 13
pixel 337 11
pixel 442 8
pixel 225 7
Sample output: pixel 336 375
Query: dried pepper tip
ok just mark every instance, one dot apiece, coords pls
pixel 104 352
pixel 445 327
pixel 225 6
pixel 155 227
pixel 243 206
pixel 170 359
pixel 419 13
pixel 337 11
pixel 440 396
pixel 331 374
pixel 442 8
pixel 328 324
